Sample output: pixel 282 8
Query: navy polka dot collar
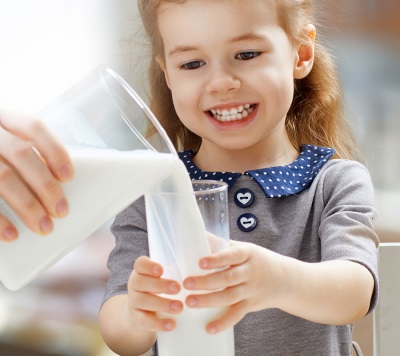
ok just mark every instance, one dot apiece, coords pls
pixel 276 182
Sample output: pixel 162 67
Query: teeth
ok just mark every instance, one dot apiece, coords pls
pixel 233 114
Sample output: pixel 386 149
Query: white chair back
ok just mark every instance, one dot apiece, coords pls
pixel 386 316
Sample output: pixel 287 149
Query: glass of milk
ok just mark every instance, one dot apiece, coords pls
pixel 177 240
pixel 119 152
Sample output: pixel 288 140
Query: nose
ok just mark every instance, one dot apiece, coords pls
pixel 222 81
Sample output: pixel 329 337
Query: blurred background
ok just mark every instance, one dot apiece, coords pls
pixel 47 45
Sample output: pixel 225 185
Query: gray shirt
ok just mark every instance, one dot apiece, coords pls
pixel 330 219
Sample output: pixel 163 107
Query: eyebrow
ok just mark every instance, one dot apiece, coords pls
pixel 243 37
pixel 181 49
pixel 248 36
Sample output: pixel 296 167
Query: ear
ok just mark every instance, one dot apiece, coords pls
pixel 161 63
pixel 305 54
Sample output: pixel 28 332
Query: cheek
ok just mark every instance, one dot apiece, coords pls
pixel 180 104
pixel 184 96
pixel 276 85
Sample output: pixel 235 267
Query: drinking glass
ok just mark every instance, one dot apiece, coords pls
pixel 178 238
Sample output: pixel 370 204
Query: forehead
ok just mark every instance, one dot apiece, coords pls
pixel 196 19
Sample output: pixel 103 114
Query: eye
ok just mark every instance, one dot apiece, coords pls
pixel 192 65
pixel 245 56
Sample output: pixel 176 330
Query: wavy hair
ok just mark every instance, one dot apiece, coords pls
pixel 316 115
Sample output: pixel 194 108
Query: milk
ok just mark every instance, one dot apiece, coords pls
pixel 190 337
pixel 105 182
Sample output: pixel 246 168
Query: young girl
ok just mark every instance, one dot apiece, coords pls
pixel 245 90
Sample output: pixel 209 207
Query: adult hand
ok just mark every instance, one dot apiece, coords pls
pixel 32 165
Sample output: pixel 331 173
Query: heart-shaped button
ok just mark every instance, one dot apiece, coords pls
pixel 244 198
pixel 247 222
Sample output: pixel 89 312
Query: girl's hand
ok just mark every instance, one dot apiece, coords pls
pixel 32 164
pixel 250 280
pixel 144 284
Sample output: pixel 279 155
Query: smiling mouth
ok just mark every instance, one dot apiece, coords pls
pixel 232 114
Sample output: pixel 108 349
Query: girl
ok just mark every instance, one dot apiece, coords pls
pixel 244 88
pixel 247 92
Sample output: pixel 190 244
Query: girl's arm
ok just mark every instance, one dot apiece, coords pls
pixel 254 278
pixel 333 292
pixel 119 333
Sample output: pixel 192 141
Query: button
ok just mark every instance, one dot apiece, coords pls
pixel 247 222
pixel 244 198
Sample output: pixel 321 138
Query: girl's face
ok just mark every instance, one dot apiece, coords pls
pixel 231 70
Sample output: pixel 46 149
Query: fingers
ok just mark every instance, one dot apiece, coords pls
pixel 154 303
pixel 146 278
pixel 28 168
pixel 150 322
pixel 34 131
pixel 144 288
pixel 233 315
pixel 23 201
pixel 32 163
pixel 144 265
pixel 218 280
pixel 154 285
pixel 228 296
pixel 8 232
pixel 230 263
pixel 235 255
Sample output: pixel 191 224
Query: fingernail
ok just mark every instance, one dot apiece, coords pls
pixel 46 225
pixel 10 233
pixel 168 325
pixel 66 171
pixel 189 283
pixel 204 263
pixel 157 270
pixel 191 301
pixel 212 329
pixel 175 305
pixel 173 287
pixel 62 208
